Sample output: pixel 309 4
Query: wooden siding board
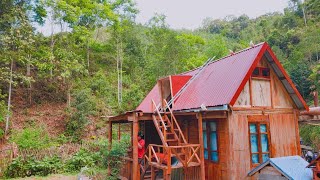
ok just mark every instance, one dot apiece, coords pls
pixel 283 135
pixel 281 99
pixel 261 93
pixel 244 97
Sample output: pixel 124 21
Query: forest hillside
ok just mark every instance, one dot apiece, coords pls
pixel 56 90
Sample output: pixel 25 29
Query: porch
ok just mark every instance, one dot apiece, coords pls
pixel 161 161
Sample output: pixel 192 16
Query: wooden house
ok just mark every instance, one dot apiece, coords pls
pixel 218 121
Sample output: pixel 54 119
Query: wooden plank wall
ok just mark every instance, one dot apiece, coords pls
pixel 213 170
pixel 239 148
pixel 283 137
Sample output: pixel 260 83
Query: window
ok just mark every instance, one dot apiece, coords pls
pixel 210 140
pixel 262 72
pixel 259 142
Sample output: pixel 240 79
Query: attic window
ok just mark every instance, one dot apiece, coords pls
pixel 261 72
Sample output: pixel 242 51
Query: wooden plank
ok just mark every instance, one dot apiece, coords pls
pixel 244 99
pixel 201 146
pixel 261 90
pixel 281 98
pixel 135 130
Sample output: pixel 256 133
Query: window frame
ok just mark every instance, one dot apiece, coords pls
pixel 208 132
pixel 258 120
pixel 260 75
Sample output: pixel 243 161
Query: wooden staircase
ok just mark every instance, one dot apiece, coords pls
pixel 174 145
pixel 167 126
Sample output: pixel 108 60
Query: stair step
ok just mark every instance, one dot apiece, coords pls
pixel 172 140
pixel 170 133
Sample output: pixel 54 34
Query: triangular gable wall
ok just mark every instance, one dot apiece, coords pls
pixel 282 76
pixel 264 92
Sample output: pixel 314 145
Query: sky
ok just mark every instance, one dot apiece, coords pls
pixel 190 14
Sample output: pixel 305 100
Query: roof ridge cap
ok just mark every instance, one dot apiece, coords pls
pixel 238 52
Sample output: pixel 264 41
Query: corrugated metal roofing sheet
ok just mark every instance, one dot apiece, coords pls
pixel 221 81
pixel 146 104
pixel 293 167
pixel 218 82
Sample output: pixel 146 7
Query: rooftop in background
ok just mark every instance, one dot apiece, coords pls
pixel 292 167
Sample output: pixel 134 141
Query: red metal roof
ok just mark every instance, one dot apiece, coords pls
pixel 146 104
pixel 177 82
pixel 221 82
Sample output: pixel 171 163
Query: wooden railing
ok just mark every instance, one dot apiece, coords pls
pixel 163 133
pixel 186 154
pixel 175 125
pixel 126 171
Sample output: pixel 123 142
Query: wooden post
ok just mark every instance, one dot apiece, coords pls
pixel 201 146
pixel 110 133
pixel 168 173
pixel 315 99
pixel 110 141
pixel 153 173
pixel 119 132
pixel 135 129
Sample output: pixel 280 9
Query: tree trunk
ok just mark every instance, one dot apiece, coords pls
pixel 9 100
pixel 29 75
pixel 119 70
pixel 88 55
pixel 304 16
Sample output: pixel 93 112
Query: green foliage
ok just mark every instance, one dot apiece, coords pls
pixel 32 167
pixel 3 110
pixel 36 137
pixel 113 158
pixel 82 158
pixel 89 160
pixel 310 135
pixel 83 106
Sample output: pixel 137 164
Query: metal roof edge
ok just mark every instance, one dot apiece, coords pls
pixel 223 107
pixel 279 169
pixel 256 169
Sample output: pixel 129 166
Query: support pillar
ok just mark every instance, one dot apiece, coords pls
pixel 199 115
pixel 110 141
pixel 135 130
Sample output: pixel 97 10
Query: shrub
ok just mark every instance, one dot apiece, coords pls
pixel 83 105
pixel 32 138
pixel 32 167
pixel 310 135
pixel 83 158
pixel 113 157
pixel 3 110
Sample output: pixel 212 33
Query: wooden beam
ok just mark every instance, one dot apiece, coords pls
pixel 296 124
pixel 202 177
pixel 214 115
pixel 110 142
pixel 135 129
pixel 110 133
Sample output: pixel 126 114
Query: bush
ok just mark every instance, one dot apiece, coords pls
pixel 32 138
pixel 310 134
pixel 83 105
pixel 92 158
pixel 3 110
pixel 113 158
pixel 83 158
pixel 32 167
